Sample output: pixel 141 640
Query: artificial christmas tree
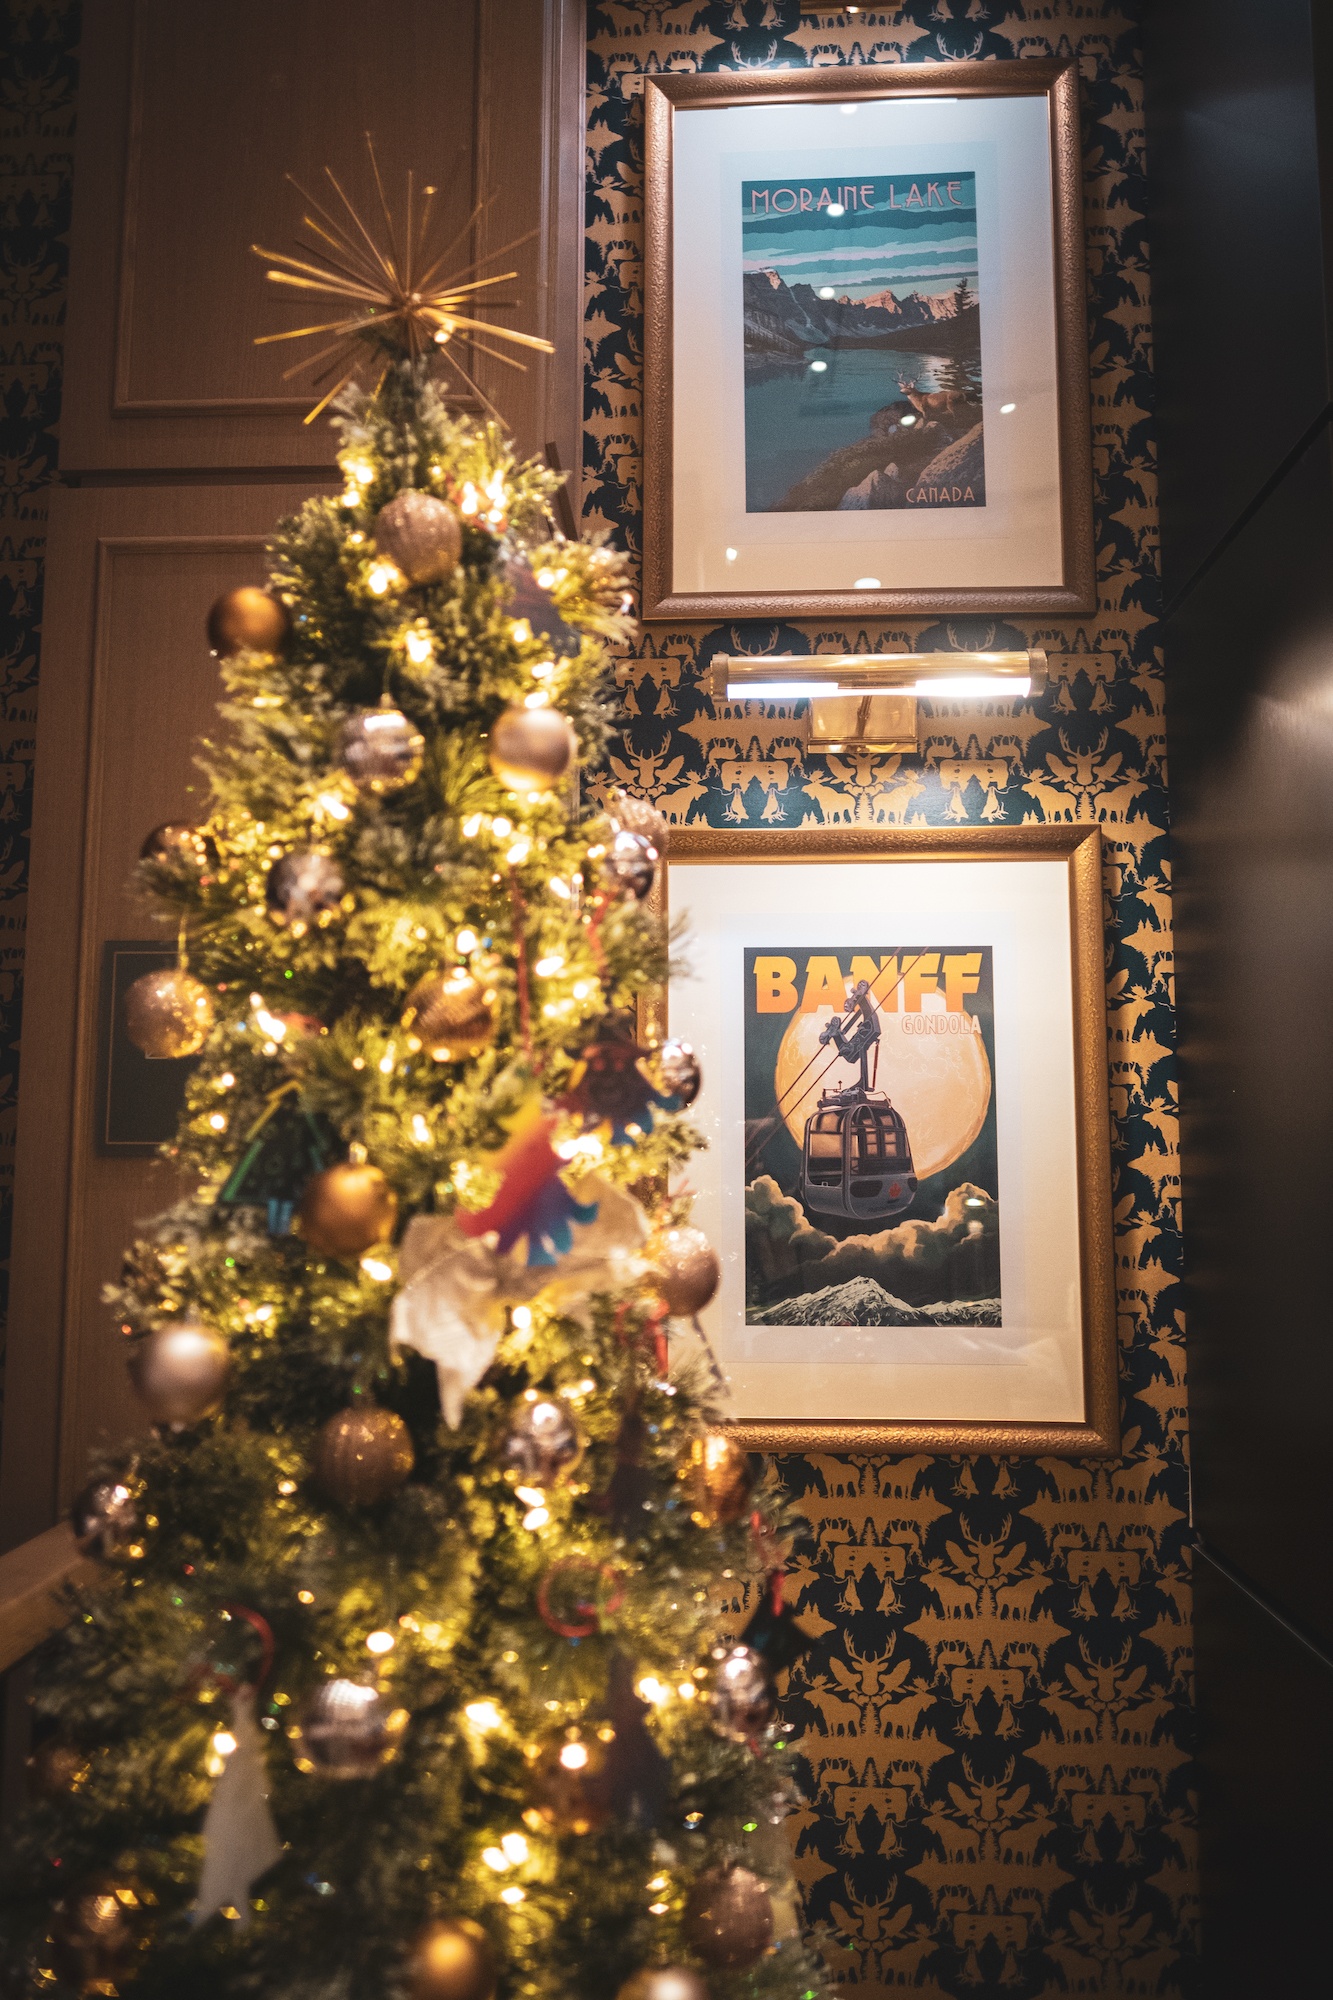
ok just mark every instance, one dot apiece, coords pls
pixel 405 1674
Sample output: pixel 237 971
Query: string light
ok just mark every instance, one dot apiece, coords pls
pixel 375 1267
pixel 380 1642
pixel 382 577
pixel 483 1714
pixel 513 1894
pixel 466 941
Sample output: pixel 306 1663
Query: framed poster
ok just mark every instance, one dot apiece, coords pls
pixel 865 343
pixel 139 1098
pixel 903 1042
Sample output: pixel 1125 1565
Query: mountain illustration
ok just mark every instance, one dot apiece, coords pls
pixel 864 1302
pixel 787 320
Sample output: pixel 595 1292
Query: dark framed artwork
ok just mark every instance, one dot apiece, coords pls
pixel 139 1098
pixel 908 1178
pixel 865 343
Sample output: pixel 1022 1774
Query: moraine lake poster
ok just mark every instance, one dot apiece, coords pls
pixel 862 337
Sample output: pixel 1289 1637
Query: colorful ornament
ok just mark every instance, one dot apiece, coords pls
pixel 607 1085
pixel 451 1960
pixel 531 600
pixel 347 1729
pixel 380 750
pixel 543 1440
pixel 304 888
pixel 570 1793
pixel 664 1982
pixel 345 1209
pixel 100 1929
pixel 178 844
pixel 687 1271
pixel 180 1371
pixel 363 1455
pixel 532 749
pixel 627 865
pixel 745 1696
pixel 728 1917
pixel 575 1595
pixel 168 1014
pixel 284 1147
pixel 533 1201
pixel 773 1632
pixel 240 1840
pixel 716 1476
pixel 421 534
pixel 679 1072
pixel 455 1287
pixel 640 816
pixel 451 1014
pixel 247 620
pixel 105 1516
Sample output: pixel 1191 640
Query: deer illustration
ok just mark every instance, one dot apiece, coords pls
pixel 930 402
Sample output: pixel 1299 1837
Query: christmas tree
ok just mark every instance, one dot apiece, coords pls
pixel 408 1670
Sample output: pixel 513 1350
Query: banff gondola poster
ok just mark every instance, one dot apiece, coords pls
pixel 862 334
pixel 872 1193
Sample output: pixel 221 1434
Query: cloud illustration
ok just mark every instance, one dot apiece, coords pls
pixel 955 1256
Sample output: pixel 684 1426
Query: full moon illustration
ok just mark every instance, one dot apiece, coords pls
pixel 941 1083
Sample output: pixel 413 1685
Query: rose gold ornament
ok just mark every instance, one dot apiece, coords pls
pixel 178 844
pixel 451 1014
pixel 180 1371
pixel 745 1696
pixel 570 1792
pixel 247 620
pixel 361 1456
pixel 421 534
pixel 168 1014
pixel 380 750
pixel 532 749
pixel 729 1917
pixel 686 1270
pixel 451 1960
pixel 346 1208
pixel 104 1516
pixel 347 1729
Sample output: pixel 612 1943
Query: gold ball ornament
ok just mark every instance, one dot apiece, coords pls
pixel 180 1371
pixel 168 1013
pixel 380 750
pixel 345 1209
pixel 640 816
pixel 247 620
pixel 347 1729
pixel 99 1930
pixel 729 1917
pixel 570 1791
pixel 451 1014
pixel 451 1960
pixel 532 749
pixel 686 1271
pixel 421 534
pixel 663 1982
pixel 716 1476
pixel 361 1456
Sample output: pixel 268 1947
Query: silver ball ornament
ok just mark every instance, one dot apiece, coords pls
pixel 532 749
pixel 633 815
pixel 180 1371
pixel 104 1516
pixel 304 888
pixel 729 1917
pixel 421 534
pixel 679 1070
pixel 380 750
pixel 347 1729
pixel 745 1696
pixel 629 865
pixel 543 1441
pixel 687 1271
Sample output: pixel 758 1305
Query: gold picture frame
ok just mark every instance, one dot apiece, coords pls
pixel 1076 851
pixel 672 98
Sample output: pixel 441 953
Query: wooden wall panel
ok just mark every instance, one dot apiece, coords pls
pixel 127 687
pixel 189 119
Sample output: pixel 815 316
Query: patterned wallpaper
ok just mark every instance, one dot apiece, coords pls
pixel 38 68
pixel 997 1715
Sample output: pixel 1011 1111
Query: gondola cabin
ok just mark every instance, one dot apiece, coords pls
pixel 856 1161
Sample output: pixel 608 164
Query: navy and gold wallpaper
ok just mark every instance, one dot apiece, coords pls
pixel 38 69
pixel 997 1713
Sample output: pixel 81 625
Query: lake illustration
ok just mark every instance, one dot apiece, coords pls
pixel 862 329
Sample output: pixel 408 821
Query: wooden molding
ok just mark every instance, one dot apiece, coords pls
pixel 32 1578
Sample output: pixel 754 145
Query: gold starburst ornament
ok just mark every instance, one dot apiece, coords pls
pixel 396 302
